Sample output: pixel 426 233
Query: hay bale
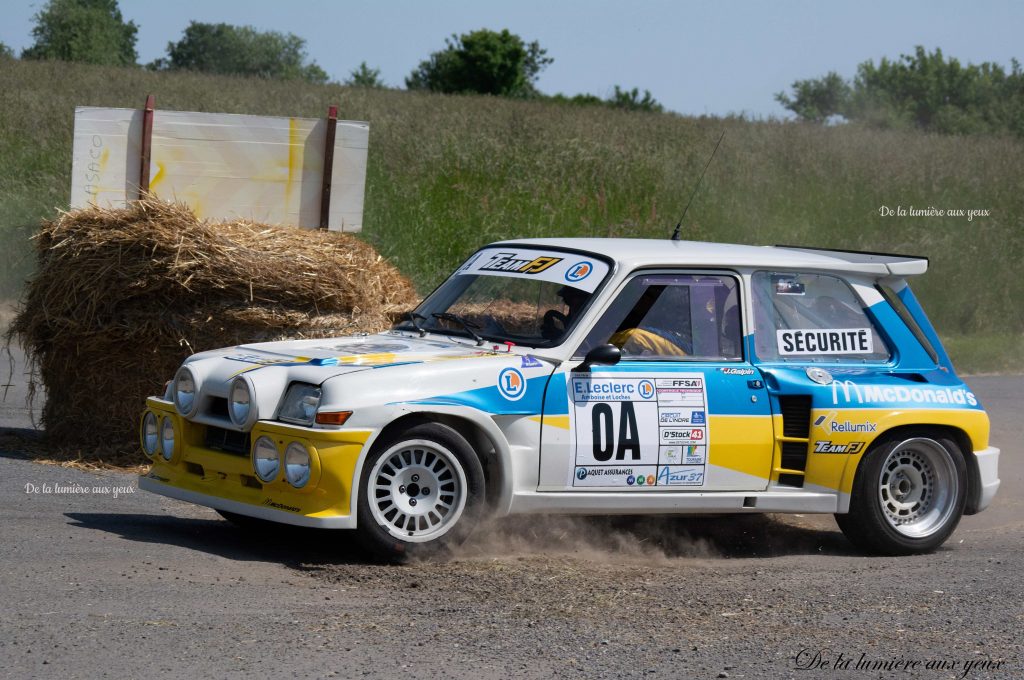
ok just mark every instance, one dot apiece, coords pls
pixel 122 296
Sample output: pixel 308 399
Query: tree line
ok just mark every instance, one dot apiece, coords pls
pixel 482 62
pixel 924 90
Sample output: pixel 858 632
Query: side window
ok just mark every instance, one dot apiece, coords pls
pixel 678 317
pixel 812 317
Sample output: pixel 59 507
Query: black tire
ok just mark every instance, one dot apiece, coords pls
pixel 908 495
pixel 428 493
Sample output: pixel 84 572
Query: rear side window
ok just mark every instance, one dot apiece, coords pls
pixel 901 310
pixel 812 317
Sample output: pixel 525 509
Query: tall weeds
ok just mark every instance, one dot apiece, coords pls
pixel 449 173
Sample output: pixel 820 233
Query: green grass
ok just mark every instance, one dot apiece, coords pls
pixel 985 352
pixel 449 173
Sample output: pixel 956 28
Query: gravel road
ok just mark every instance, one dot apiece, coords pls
pixel 100 580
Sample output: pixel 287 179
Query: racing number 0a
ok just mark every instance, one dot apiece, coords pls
pixel 606 443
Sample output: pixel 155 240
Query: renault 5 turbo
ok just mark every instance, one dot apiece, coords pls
pixel 596 376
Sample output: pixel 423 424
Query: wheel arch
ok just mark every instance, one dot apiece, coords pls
pixel 956 434
pixel 476 428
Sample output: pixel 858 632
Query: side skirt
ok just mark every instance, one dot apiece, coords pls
pixel 615 503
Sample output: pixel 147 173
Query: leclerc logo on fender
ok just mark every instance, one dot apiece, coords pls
pixel 578 271
pixel 511 384
pixel 646 389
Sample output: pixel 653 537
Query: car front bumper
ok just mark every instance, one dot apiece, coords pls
pixel 226 481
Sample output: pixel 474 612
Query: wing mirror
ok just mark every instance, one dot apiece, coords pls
pixel 602 355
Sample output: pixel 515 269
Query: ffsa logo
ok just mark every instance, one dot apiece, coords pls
pixel 511 384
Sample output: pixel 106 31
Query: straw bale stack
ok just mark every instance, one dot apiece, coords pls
pixel 122 296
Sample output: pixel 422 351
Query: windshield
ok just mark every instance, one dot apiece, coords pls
pixel 520 295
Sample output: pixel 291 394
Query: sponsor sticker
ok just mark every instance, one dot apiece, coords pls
pixel 645 423
pixel 511 384
pixel 787 285
pixel 512 262
pixel 829 424
pixel 848 392
pixel 552 266
pixel 690 454
pixel 579 271
pixel 809 342
pixel 689 475
pixel 828 446
pixel 736 371
pixel 530 361
pixel 681 416
pixel 615 476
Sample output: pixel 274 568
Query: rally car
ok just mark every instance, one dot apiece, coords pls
pixel 596 376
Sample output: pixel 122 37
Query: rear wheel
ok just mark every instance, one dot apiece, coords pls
pixel 908 496
pixel 420 490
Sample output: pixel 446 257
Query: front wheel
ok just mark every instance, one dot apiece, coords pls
pixel 420 490
pixel 908 496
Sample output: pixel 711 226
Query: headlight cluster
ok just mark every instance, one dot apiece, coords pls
pixel 158 435
pixel 266 462
pixel 300 404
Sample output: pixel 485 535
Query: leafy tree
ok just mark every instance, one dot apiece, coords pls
pixel 6 52
pixel 632 101
pixel 91 31
pixel 578 99
pixel 629 100
pixel 923 90
pixel 485 62
pixel 364 76
pixel 240 50
pixel 817 99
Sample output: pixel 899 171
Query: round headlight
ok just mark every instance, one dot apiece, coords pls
pixel 266 461
pixel 150 434
pixel 296 465
pixel 185 391
pixel 167 438
pixel 240 402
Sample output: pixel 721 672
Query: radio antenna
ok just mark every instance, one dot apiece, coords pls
pixel 679 224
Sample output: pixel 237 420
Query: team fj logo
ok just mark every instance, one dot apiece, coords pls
pixel 510 262
pixel 511 384
pixel 579 271
pixel 828 446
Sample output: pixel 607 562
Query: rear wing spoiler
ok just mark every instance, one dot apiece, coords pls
pixel 898 265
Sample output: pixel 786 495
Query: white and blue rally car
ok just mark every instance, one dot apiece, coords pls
pixel 596 376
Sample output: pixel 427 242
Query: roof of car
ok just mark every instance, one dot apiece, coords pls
pixel 632 253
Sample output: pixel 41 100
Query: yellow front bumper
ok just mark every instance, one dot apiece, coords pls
pixel 226 481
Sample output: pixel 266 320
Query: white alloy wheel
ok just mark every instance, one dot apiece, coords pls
pixel 918 487
pixel 417 490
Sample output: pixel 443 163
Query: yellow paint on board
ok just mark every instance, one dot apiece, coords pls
pixel 294 160
pixel 159 176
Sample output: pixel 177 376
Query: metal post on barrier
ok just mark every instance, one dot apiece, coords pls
pixel 325 192
pixel 146 146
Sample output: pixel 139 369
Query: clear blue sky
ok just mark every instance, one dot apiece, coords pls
pixel 695 57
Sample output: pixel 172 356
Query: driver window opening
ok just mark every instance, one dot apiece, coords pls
pixel 673 317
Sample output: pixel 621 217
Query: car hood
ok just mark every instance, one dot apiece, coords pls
pixel 315 361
